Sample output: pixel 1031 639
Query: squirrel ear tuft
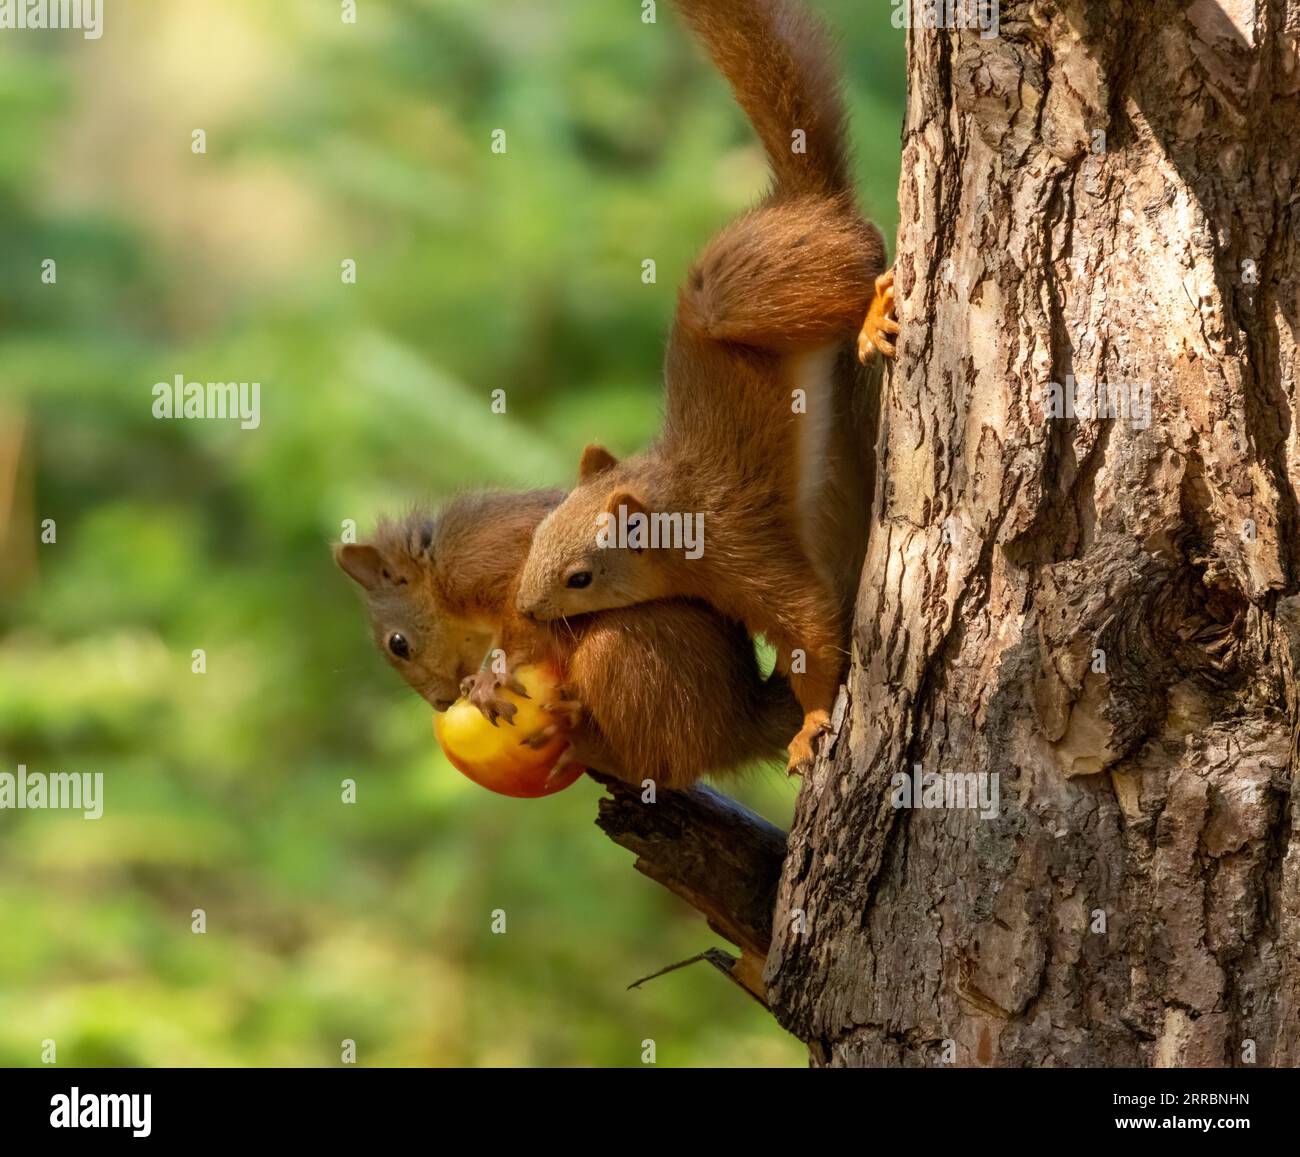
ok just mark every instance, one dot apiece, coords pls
pixel 625 498
pixel 595 460
pixel 362 564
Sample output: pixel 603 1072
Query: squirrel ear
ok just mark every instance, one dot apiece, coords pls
pixel 362 564
pixel 595 460
pixel 625 498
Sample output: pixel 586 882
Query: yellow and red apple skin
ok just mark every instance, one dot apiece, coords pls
pixel 493 757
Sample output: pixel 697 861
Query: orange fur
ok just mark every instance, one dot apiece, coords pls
pixel 763 433
pixel 777 59
pixel 668 692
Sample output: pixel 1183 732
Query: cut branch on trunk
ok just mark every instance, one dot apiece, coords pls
pixel 714 853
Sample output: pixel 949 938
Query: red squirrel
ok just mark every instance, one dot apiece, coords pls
pixel 667 692
pixel 766 441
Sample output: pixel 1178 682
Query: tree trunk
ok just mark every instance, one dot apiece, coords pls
pixel 1092 611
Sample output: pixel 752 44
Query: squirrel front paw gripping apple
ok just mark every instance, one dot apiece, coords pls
pixel 668 691
pixel 762 445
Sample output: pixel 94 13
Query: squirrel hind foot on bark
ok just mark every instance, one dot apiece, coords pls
pixel 881 324
pixel 802 748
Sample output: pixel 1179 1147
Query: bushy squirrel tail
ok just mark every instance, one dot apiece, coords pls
pixel 778 60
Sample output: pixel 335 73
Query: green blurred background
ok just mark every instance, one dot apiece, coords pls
pixel 475 272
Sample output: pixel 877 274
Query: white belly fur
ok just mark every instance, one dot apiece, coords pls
pixel 814 374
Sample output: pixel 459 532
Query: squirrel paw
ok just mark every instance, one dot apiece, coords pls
pixel 567 757
pixel 541 737
pixel 802 754
pixel 483 690
pixel 568 712
pixel 882 322
pixel 566 707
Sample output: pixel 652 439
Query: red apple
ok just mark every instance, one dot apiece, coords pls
pixel 494 758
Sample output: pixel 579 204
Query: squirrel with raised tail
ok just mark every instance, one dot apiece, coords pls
pixel 668 692
pixel 768 433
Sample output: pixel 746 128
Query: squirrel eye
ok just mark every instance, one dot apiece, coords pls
pixel 398 645
pixel 579 579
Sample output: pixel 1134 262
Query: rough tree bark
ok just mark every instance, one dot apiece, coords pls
pixel 1096 610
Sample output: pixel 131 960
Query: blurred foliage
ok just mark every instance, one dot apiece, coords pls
pixel 475 271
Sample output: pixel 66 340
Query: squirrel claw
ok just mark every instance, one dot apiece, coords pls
pixel 881 320
pixel 482 690
pixel 566 758
pixel 800 763
pixel 802 755
pixel 568 712
pixel 541 737
pixel 567 708
pixel 498 709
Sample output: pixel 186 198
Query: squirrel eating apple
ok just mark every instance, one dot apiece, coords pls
pixel 668 692
pixel 768 432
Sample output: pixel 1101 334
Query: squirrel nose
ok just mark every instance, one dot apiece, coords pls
pixel 436 701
